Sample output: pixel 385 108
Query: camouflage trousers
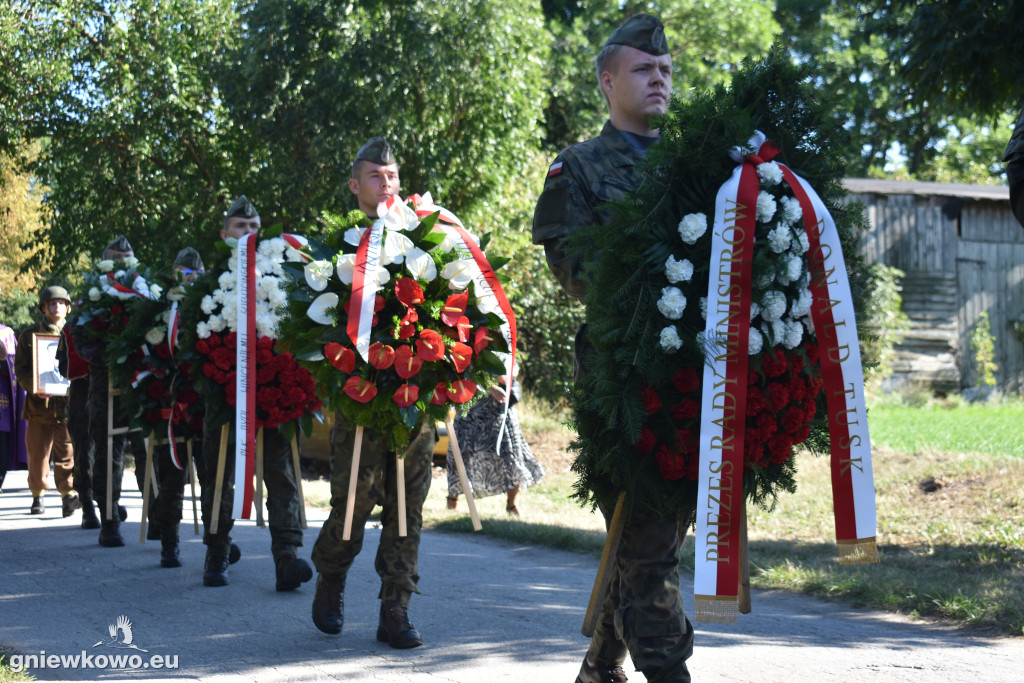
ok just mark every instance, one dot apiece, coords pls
pixel 97 411
pixel 78 428
pixel 283 515
pixel 643 610
pixel 397 560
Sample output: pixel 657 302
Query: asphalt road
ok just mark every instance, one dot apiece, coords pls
pixel 490 612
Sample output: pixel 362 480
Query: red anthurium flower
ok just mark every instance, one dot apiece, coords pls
pixel 440 395
pixel 461 390
pixel 341 358
pixel 461 356
pixel 405 331
pixel 454 308
pixel 378 303
pixel 463 328
pixel 481 338
pixel 406 328
pixel 430 346
pixel 360 389
pixel 381 355
pixel 407 363
pixel 406 395
pixel 409 292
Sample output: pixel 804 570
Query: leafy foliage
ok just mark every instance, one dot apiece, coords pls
pixel 884 323
pixel 983 346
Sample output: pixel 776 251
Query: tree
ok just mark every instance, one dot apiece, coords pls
pixel 21 218
pixel 129 117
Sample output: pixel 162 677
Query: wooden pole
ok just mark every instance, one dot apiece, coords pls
pixel 403 526
pixel 218 488
pixel 259 479
pixel 297 466
pixel 744 587
pixel 192 482
pixel 460 466
pixel 606 568
pixel 353 476
pixel 150 442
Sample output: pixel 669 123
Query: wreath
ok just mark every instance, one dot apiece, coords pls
pixel 427 338
pixel 285 396
pixel 107 293
pixel 637 410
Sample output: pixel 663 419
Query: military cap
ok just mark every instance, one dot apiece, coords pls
pixel 642 31
pixel 189 258
pixel 376 151
pixel 120 243
pixel 53 292
pixel 242 208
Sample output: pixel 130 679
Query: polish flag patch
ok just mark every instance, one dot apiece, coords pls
pixel 555 169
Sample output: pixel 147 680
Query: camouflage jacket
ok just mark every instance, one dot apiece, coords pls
pixel 581 179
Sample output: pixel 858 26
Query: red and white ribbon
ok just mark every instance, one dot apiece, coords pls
pixel 365 286
pixel 720 489
pixel 245 379
pixel 724 399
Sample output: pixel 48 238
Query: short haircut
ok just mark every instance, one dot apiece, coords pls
pixel 605 61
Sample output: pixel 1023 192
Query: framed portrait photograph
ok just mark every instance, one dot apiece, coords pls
pixel 46 377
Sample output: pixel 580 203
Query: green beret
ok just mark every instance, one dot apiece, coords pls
pixel 642 31
pixel 120 243
pixel 189 258
pixel 242 208
pixel 376 151
pixel 53 292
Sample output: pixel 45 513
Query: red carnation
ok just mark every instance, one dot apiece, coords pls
pixel 649 397
pixel 223 357
pixel 156 389
pixel 430 346
pixel 231 340
pixel 203 347
pixel 687 410
pixel 686 380
pixel 163 351
pixel 774 363
pixel 671 465
pixel 647 440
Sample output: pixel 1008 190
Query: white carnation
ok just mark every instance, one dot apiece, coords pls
pixel 802 243
pixel 755 342
pixel 791 211
pixel 670 341
pixel 770 173
pixel 692 227
pixel 794 267
pixel 672 303
pixel 226 280
pixel 802 306
pixel 773 305
pixel 704 307
pixel 765 277
pixel 755 309
pixel 780 238
pixel 765 207
pixel 794 334
pixel 678 271
pixel 778 332
pixel 217 323
pixel 208 305
pixel 203 330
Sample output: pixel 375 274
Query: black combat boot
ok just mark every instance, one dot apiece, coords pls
pixel 170 556
pixel 394 628
pixel 291 572
pixel 38 507
pixel 329 603
pixel 215 571
pixel 89 518
pixel 110 534
pixel 69 502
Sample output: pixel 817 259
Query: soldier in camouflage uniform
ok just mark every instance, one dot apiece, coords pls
pixel 279 475
pixel 76 369
pixel 110 527
pixel 374 179
pixel 188 266
pixel 643 610
pixel 1014 158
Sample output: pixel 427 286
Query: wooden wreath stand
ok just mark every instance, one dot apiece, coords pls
pixel 151 443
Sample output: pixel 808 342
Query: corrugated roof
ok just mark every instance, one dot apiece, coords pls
pixel 873 186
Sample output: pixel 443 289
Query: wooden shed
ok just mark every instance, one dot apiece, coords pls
pixel 963 254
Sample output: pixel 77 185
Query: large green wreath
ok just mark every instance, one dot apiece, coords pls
pixel 634 408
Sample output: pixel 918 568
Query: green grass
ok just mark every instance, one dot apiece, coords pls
pixel 992 429
pixel 6 674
